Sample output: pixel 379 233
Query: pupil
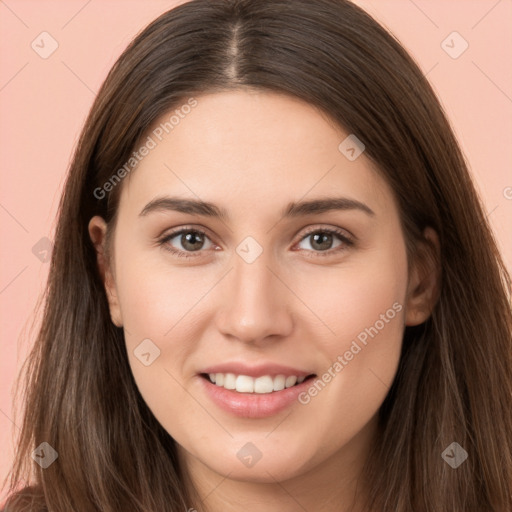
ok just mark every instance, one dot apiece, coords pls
pixel 191 239
pixel 321 240
pixel 321 236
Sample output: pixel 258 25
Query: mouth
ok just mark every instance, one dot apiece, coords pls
pixel 262 385
pixel 249 390
pixel 254 397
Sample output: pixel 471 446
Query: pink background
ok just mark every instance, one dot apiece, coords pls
pixel 43 103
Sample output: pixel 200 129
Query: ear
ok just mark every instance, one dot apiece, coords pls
pixel 98 233
pixel 424 280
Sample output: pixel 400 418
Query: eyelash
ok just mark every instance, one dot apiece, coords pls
pixel 347 242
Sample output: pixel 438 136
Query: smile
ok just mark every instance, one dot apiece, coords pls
pixel 246 384
pixel 254 397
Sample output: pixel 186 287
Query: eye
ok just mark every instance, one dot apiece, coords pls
pixel 321 241
pixel 191 240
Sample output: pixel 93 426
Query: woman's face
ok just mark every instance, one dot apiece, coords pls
pixel 272 291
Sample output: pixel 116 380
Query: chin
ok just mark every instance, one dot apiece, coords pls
pixel 261 460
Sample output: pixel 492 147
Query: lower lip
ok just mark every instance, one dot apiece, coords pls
pixel 253 405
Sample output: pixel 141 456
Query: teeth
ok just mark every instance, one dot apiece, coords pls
pixel 230 381
pixel 262 385
pixel 279 382
pixel 290 381
pixel 244 384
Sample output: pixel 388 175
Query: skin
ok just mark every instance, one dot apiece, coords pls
pixel 253 153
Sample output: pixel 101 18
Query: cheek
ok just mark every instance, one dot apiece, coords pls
pixel 154 296
pixel 355 299
pixel 363 308
pixel 157 305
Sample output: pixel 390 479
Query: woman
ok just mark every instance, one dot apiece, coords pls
pixel 273 285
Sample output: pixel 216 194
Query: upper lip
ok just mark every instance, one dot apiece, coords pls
pixel 240 368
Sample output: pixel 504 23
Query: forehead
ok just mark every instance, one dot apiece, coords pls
pixel 248 150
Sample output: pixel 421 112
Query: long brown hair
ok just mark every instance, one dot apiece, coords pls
pixel 454 381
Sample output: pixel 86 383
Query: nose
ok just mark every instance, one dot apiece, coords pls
pixel 256 303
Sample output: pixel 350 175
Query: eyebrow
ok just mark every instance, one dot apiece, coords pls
pixel 298 209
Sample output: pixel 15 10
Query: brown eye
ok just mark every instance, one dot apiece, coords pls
pixel 188 241
pixel 323 241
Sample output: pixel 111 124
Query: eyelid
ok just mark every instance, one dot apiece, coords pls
pixel 162 239
pixel 346 237
pixel 347 241
pixel 342 232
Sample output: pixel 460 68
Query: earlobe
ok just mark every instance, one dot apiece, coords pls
pixel 424 280
pixel 97 233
